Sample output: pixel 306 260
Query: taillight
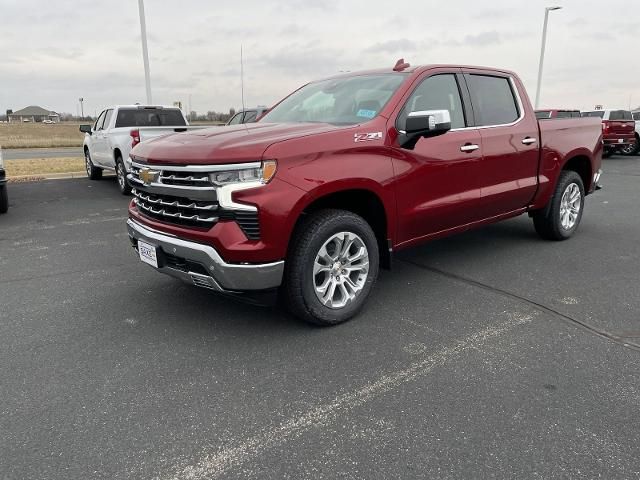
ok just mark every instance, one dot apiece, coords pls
pixel 605 125
pixel 135 137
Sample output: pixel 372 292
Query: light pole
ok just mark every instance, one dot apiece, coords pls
pixel 542 47
pixel 145 53
pixel 81 99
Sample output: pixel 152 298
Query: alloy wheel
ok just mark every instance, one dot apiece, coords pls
pixel 340 269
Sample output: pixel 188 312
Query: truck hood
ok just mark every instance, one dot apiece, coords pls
pixel 218 145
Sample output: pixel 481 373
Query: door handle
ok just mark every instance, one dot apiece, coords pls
pixel 528 140
pixel 469 147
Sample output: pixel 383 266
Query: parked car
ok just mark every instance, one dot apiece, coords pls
pixel 4 196
pixel 636 146
pixel 320 193
pixel 48 122
pixel 248 115
pixel 618 130
pixel 553 113
pixel 118 129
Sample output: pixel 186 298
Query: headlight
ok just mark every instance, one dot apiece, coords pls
pixel 263 174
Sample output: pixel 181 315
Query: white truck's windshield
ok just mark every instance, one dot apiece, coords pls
pixel 343 101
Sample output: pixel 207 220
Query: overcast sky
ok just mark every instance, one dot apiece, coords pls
pixel 52 52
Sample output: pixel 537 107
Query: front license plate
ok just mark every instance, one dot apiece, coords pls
pixel 620 140
pixel 148 253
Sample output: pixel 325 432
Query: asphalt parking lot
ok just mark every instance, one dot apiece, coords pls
pixel 492 354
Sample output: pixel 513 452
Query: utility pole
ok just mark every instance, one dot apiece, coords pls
pixel 145 52
pixel 81 99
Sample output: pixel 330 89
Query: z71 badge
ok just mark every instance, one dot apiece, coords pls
pixel 366 137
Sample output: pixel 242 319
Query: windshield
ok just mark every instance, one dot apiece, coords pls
pixel 342 101
pixel 149 117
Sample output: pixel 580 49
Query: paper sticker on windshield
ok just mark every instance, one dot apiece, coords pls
pixel 366 113
pixel 366 137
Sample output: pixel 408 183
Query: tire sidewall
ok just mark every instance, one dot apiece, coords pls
pixel 324 233
pixel 88 164
pixel 124 187
pixel 565 181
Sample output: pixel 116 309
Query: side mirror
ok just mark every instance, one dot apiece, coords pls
pixel 85 129
pixel 426 123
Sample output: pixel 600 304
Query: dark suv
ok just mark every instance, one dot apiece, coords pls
pixel 4 198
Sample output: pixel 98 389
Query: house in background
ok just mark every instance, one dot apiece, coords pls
pixel 34 114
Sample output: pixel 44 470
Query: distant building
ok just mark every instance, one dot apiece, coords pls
pixel 34 114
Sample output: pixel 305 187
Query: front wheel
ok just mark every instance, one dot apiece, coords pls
pixel 561 217
pixel 4 199
pixel 121 173
pixel 94 173
pixel 332 266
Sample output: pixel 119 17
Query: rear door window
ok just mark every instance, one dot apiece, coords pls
pixel 150 117
pixel 493 98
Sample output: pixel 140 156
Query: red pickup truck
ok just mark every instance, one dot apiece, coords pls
pixel 315 197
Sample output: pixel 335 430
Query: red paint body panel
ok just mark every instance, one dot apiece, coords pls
pixel 428 192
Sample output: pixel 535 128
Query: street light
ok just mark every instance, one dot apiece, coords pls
pixel 542 47
pixel 145 53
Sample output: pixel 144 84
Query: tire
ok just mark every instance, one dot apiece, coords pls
pixel 631 149
pixel 551 222
pixel 93 173
pixel 4 199
pixel 326 231
pixel 606 153
pixel 121 174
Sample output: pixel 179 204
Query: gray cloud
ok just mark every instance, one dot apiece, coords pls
pixel 393 46
pixel 53 52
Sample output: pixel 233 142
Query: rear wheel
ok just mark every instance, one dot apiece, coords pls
pixel 561 217
pixel 606 153
pixel 94 173
pixel 4 199
pixel 332 266
pixel 632 148
pixel 121 173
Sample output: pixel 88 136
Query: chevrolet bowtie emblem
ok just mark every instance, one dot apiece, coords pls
pixel 148 176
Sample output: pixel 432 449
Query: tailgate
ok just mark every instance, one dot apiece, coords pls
pixel 622 126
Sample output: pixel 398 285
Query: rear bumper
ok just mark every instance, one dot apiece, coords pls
pixel 203 266
pixel 619 140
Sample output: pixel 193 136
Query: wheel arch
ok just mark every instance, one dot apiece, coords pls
pixel 581 164
pixel 364 201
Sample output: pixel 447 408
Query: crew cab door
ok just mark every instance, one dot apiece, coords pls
pixel 510 142
pixel 436 182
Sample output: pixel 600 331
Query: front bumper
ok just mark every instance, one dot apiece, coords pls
pixel 3 179
pixel 203 266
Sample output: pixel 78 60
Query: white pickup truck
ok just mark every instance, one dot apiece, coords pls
pixel 118 129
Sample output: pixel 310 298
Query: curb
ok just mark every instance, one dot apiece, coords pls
pixel 48 176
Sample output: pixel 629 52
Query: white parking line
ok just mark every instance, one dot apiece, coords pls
pixel 212 465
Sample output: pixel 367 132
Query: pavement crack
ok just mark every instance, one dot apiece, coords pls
pixel 536 305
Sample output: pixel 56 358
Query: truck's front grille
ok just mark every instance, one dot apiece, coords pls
pixel 184 195
pixel 176 209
